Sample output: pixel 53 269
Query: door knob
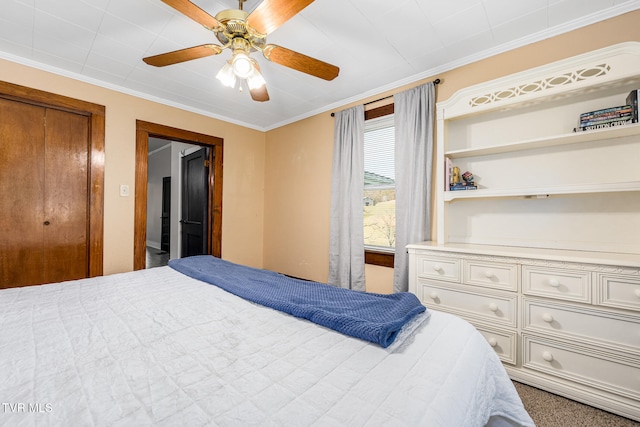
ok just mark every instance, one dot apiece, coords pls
pixel 47 223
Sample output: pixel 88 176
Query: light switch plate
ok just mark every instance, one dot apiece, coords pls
pixel 124 190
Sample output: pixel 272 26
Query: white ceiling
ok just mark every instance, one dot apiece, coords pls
pixel 378 44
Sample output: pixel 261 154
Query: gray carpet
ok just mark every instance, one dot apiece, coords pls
pixel 550 410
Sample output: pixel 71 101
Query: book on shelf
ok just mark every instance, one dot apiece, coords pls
pixel 609 117
pixel 605 111
pixel 447 173
pixel 470 185
pixel 606 120
pixel 632 99
pixel 605 125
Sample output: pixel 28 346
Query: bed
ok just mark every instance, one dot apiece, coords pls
pixel 157 347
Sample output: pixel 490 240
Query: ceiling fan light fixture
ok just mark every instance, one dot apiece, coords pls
pixel 242 65
pixel 255 80
pixel 226 75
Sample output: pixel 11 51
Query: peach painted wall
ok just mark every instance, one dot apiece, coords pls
pixel 244 152
pixel 297 198
pixel 298 156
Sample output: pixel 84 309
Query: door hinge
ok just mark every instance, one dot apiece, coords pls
pixel 206 163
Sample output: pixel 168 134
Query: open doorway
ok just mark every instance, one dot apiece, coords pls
pixel 180 143
pixel 158 237
pixel 177 201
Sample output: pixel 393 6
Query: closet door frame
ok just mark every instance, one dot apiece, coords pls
pixel 95 193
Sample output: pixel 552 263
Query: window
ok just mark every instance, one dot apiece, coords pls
pixel 379 202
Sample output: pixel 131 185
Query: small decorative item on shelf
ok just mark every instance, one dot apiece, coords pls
pixel 605 118
pixel 632 100
pixel 467 182
pixel 455 175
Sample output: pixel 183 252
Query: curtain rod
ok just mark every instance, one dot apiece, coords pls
pixel 435 82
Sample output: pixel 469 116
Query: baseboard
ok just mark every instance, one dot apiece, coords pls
pixel 152 244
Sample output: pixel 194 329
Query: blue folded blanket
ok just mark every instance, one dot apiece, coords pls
pixel 373 317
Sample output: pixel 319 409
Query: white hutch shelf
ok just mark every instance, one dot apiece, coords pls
pixel 515 134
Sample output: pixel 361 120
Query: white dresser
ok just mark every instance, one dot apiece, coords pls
pixel 564 321
pixel 544 256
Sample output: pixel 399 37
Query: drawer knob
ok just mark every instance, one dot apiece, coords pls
pixel 547 356
pixel 437 268
pixel 493 342
pixel 554 283
pixel 488 274
pixel 433 295
pixel 547 317
pixel 493 307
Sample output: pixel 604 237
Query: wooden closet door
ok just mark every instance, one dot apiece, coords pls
pixel 21 194
pixel 65 196
pixel 43 195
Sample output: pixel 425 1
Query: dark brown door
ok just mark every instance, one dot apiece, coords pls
pixel 65 196
pixel 43 195
pixel 165 232
pixel 21 188
pixel 195 190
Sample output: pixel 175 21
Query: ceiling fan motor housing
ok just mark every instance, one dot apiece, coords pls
pixel 234 25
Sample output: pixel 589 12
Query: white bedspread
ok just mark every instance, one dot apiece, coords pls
pixel 155 347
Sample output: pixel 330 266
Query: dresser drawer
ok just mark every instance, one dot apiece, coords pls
pixel 491 307
pixel 503 343
pixel 440 268
pixel 619 291
pixel 584 365
pixel 570 285
pixel 491 274
pixel 599 327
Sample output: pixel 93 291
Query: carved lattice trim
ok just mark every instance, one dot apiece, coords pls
pixel 541 85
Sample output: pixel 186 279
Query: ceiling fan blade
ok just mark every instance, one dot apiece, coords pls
pixel 194 12
pixel 270 14
pixel 259 94
pixel 303 63
pixel 183 55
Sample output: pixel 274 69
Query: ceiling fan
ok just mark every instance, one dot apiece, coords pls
pixel 243 33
